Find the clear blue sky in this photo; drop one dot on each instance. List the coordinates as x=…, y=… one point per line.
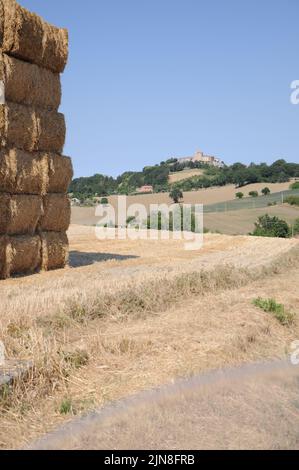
x=151, y=79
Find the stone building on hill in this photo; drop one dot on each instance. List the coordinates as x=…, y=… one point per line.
x=202, y=158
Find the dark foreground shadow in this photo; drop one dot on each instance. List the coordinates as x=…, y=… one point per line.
x=78, y=258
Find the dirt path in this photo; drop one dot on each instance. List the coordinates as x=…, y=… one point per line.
x=250, y=407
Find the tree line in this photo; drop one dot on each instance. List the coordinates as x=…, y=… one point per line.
x=158, y=176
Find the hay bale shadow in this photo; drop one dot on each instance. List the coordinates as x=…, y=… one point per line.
x=78, y=258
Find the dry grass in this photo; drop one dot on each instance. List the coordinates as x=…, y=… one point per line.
x=97, y=333
x=231, y=410
x=203, y=196
x=153, y=296
x=183, y=175
x=112, y=265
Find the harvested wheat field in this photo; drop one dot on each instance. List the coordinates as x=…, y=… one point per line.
x=223, y=410
x=97, y=330
x=183, y=175
x=235, y=222
x=203, y=196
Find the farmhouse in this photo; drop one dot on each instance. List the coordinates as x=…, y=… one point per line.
x=147, y=189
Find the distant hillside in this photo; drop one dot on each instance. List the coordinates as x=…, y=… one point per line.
x=185, y=174
x=165, y=175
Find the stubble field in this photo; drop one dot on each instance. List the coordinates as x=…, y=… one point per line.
x=228, y=222
x=127, y=316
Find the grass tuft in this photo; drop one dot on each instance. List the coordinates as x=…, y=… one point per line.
x=66, y=407
x=285, y=317
x=76, y=359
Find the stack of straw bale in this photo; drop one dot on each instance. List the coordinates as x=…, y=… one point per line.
x=34, y=175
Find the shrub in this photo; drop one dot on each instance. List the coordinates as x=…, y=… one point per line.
x=253, y=194
x=104, y=201
x=292, y=200
x=239, y=195
x=295, y=185
x=267, y=226
x=88, y=203
x=285, y=317
x=266, y=191
x=176, y=195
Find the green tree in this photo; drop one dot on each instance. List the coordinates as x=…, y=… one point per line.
x=176, y=195
x=158, y=175
x=266, y=191
x=104, y=201
x=239, y=195
x=267, y=226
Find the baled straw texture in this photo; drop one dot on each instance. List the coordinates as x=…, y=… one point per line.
x=29, y=84
x=28, y=129
x=37, y=173
x=23, y=172
x=60, y=173
x=19, y=214
x=24, y=254
x=55, y=250
x=56, y=213
x=26, y=36
x=4, y=272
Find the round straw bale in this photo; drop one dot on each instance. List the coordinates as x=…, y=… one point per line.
x=60, y=173
x=56, y=213
x=23, y=172
x=29, y=129
x=55, y=250
x=25, y=254
x=1, y=22
x=27, y=36
x=19, y=214
x=29, y=84
x=4, y=213
x=51, y=131
x=18, y=126
x=4, y=249
x=8, y=171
